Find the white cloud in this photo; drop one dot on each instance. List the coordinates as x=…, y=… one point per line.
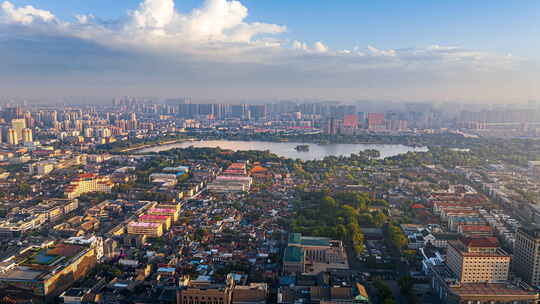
x=218, y=33
x=375, y=51
x=156, y=25
x=153, y=16
x=84, y=19
x=297, y=45
x=320, y=47
x=215, y=21
x=24, y=15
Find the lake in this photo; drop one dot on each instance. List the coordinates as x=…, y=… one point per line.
x=286, y=149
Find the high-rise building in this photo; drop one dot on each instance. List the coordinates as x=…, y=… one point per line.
x=105, y=132
x=240, y=111
x=88, y=132
x=206, y=110
x=332, y=126
x=221, y=110
x=396, y=125
x=27, y=135
x=10, y=113
x=478, y=260
x=188, y=110
x=375, y=121
x=12, y=137
x=526, y=259
x=78, y=124
x=18, y=125
x=53, y=117
x=350, y=121
x=258, y=112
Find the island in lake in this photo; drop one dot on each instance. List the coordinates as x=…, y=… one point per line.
x=302, y=148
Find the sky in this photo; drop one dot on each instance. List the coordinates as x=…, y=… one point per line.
x=410, y=50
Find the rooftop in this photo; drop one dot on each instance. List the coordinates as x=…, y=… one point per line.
x=491, y=289
x=532, y=232
x=144, y=224
x=295, y=238
x=299, y=239
x=475, y=228
x=153, y=217
x=293, y=254
x=75, y=292
x=21, y=273
x=315, y=241
x=483, y=242
x=169, y=210
x=36, y=262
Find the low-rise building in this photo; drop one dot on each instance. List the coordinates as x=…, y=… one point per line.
x=165, y=220
x=42, y=168
x=230, y=183
x=203, y=290
x=254, y=293
x=46, y=271
x=174, y=213
x=313, y=251
x=89, y=182
x=147, y=229
x=17, y=225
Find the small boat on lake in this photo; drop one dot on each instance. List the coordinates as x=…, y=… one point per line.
x=302, y=148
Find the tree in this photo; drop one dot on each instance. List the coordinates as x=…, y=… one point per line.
x=405, y=284
x=23, y=188
x=378, y=218
x=384, y=290
x=398, y=238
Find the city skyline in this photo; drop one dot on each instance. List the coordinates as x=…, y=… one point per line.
x=239, y=50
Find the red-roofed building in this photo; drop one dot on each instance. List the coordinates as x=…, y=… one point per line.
x=260, y=172
x=475, y=230
x=88, y=182
x=174, y=213
x=166, y=220
x=480, y=244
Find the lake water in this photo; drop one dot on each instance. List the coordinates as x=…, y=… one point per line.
x=286, y=149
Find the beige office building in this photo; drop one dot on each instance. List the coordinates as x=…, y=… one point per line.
x=88, y=182
x=148, y=229
x=478, y=260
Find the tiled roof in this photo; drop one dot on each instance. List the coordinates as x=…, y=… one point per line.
x=483, y=242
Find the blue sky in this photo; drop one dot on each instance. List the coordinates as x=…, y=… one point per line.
x=483, y=32
x=506, y=26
